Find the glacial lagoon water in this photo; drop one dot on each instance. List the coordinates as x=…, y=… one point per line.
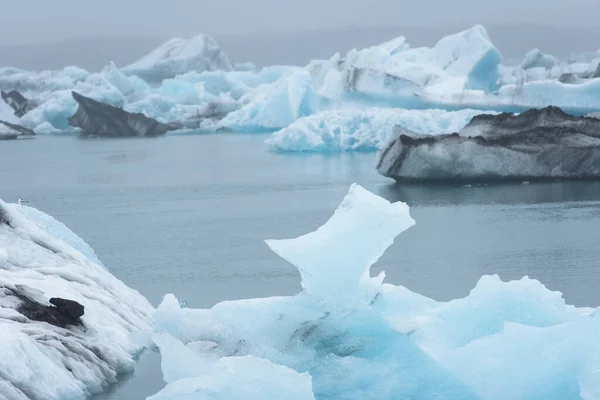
x=187, y=214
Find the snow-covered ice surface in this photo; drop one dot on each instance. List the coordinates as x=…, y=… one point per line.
x=179, y=56
x=348, y=335
x=194, y=82
x=363, y=130
x=60, y=231
x=39, y=259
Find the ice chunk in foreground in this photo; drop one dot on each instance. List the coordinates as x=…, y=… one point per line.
x=331, y=330
x=364, y=222
x=236, y=378
x=505, y=340
x=45, y=353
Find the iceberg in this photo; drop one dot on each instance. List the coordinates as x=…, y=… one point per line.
x=247, y=377
x=99, y=119
x=348, y=335
x=289, y=100
x=330, y=331
x=68, y=327
x=363, y=130
x=178, y=56
x=206, y=94
x=537, y=144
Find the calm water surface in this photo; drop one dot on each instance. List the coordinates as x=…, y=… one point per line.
x=188, y=215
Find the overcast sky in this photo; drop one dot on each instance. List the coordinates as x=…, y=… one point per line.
x=43, y=21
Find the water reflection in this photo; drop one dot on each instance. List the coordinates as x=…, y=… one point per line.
x=507, y=193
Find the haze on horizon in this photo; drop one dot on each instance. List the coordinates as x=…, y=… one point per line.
x=46, y=34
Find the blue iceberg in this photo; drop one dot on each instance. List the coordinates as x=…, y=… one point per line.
x=348, y=335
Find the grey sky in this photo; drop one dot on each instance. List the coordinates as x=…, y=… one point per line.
x=43, y=21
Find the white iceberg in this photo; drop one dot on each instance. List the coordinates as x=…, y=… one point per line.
x=41, y=259
x=178, y=56
x=349, y=336
x=363, y=130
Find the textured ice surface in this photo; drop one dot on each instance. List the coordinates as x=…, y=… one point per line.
x=349, y=336
x=363, y=130
x=283, y=103
x=234, y=378
x=537, y=144
x=40, y=259
x=60, y=231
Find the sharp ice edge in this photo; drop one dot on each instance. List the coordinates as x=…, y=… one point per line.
x=42, y=258
x=358, y=338
x=194, y=82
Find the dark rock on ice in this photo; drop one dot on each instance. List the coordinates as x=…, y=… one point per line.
x=67, y=307
x=535, y=145
x=18, y=102
x=63, y=313
x=100, y=119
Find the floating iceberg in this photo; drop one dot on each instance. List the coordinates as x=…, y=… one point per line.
x=48, y=352
x=99, y=119
x=178, y=56
x=358, y=338
x=537, y=144
x=286, y=100
x=363, y=130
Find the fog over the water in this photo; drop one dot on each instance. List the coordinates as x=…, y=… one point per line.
x=40, y=34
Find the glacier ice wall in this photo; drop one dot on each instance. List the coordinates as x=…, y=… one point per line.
x=40, y=259
x=348, y=335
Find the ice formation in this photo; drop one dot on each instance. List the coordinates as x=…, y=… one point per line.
x=99, y=119
x=537, y=144
x=194, y=83
x=41, y=259
x=178, y=56
x=358, y=338
x=363, y=130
